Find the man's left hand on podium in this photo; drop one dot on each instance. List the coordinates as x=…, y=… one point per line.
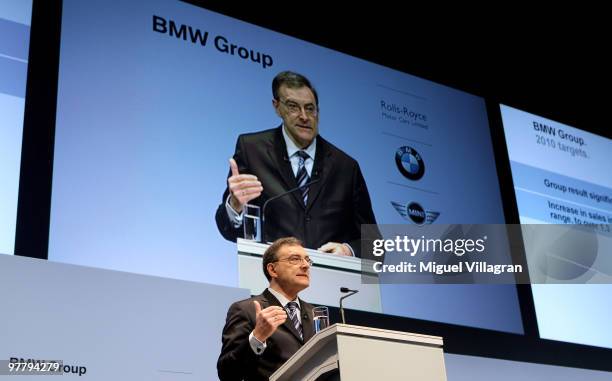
x=337, y=248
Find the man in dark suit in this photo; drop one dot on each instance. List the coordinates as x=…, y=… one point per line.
x=328, y=213
x=262, y=332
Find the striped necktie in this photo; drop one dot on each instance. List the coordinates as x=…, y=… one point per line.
x=293, y=311
x=302, y=175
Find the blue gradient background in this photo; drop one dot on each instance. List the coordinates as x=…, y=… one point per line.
x=574, y=313
x=15, y=19
x=146, y=123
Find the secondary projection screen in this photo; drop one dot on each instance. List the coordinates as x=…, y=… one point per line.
x=15, y=19
x=151, y=99
x=562, y=175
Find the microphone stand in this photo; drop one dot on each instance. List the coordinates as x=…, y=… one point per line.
x=350, y=293
x=263, y=209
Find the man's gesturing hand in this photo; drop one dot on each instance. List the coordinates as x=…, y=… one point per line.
x=267, y=320
x=243, y=188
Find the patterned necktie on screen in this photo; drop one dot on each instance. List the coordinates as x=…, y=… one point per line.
x=302, y=174
x=293, y=311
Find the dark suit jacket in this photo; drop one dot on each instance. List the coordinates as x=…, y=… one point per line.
x=238, y=361
x=337, y=204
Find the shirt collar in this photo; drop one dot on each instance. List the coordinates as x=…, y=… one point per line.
x=282, y=299
x=311, y=150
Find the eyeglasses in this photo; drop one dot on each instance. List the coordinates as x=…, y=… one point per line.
x=295, y=108
x=296, y=260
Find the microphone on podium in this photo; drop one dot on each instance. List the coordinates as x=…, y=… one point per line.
x=263, y=209
x=344, y=290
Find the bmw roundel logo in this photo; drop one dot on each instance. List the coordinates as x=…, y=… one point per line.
x=409, y=163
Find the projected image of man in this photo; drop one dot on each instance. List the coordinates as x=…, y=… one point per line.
x=326, y=214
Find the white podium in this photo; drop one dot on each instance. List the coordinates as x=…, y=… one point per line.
x=328, y=273
x=352, y=353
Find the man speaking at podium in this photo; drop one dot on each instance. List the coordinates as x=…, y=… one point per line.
x=327, y=212
x=262, y=332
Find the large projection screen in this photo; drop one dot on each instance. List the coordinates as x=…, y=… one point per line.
x=562, y=175
x=151, y=99
x=15, y=20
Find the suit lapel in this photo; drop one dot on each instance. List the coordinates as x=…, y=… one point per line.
x=307, y=326
x=288, y=324
x=323, y=167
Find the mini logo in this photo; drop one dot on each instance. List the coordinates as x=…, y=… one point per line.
x=414, y=212
x=409, y=163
